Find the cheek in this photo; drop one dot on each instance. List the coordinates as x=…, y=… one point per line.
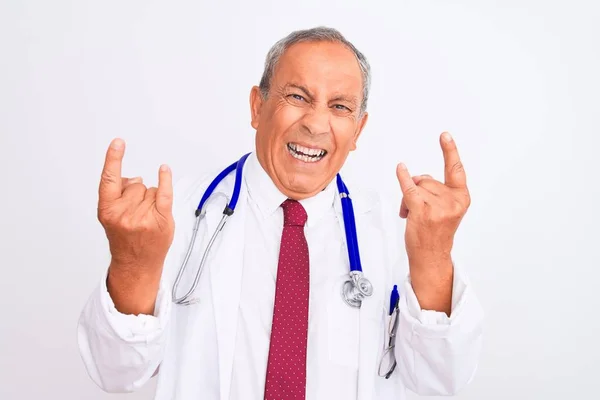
x=283, y=119
x=344, y=132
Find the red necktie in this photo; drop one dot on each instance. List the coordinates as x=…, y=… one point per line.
x=286, y=369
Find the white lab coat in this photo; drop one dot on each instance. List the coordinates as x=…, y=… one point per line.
x=191, y=349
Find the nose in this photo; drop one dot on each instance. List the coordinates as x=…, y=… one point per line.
x=317, y=121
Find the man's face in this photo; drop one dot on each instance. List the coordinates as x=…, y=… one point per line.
x=311, y=119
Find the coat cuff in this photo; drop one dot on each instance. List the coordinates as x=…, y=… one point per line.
x=431, y=317
x=131, y=327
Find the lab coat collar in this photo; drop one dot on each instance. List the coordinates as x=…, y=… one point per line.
x=265, y=194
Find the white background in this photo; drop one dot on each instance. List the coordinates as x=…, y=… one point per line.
x=516, y=82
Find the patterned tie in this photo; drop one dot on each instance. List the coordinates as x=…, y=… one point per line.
x=286, y=369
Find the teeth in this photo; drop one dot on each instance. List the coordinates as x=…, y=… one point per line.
x=304, y=153
x=306, y=150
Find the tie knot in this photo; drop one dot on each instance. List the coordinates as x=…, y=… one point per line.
x=293, y=213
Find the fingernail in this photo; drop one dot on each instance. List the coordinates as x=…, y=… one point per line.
x=136, y=179
x=402, y=166
x=117, y=144
x=164, y=168
x=446, y=136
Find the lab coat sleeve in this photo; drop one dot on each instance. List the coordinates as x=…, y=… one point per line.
x=437, y=354
x=121, y=352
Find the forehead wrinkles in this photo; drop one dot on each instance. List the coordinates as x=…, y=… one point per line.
x=323, y=68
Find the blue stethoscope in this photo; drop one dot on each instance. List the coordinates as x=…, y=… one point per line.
x=353, y=290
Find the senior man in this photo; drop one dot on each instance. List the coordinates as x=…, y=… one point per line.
x=267, y=317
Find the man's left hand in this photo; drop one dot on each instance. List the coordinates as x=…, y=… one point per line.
x=433, y=211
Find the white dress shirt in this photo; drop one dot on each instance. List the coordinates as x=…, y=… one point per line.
x=328, y=264
x=333, y=329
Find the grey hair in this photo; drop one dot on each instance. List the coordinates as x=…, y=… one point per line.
x=314, y=34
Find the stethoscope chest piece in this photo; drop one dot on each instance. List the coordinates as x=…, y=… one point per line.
x=356, y=289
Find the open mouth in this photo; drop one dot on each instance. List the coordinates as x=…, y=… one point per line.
x=305, y=154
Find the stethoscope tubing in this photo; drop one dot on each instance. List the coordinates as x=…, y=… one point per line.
x=349, y=225
x=349, y=228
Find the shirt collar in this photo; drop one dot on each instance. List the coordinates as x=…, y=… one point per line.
x=268, y=198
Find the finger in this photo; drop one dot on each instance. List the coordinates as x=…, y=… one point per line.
x=110, y=180
x=134, y=194
x=130, y=181
x=164, y=194
x=150, y=195
x=432, y=186
x=454, y=173
x=409, y=189
x=416, y=179
x=403, y=210
x=148, y=202
x=419, y=178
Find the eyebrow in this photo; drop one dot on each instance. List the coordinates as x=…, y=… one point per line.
x=350, y=99
x=300, y=87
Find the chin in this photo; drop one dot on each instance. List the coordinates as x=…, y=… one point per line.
x=304, y=182
x=302, y=171
x=306, y=187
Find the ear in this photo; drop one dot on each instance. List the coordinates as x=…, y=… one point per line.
x=256, y=102
x=361, y=125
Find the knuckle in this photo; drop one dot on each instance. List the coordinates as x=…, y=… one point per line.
x=152, y=192
x=106, y=215
x=411, y=190
x=457, y=209
x=143, y=226
x=135, y=189
x=139, y=186
x=147, y=225
x=467, y=200
x=108, y=177
x=438, y=216
x=130, y=224
x=424, y=183
x=457, y=167
x=102, y=217
x=163, y=197
x=449, y=213
x=127, y=224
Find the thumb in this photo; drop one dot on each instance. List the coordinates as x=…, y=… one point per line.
x=410, y=190
x=403, y=208
x=164, y=194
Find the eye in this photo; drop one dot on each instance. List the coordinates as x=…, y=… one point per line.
x=342, y=107
x=297, y=97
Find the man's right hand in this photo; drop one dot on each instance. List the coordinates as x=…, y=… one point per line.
x=139, y=225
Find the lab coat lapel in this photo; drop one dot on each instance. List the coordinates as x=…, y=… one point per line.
x=226, y=267
x=371, y=311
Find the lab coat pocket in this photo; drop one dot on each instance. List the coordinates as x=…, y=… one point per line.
x=384, y=350
x=343, y=328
